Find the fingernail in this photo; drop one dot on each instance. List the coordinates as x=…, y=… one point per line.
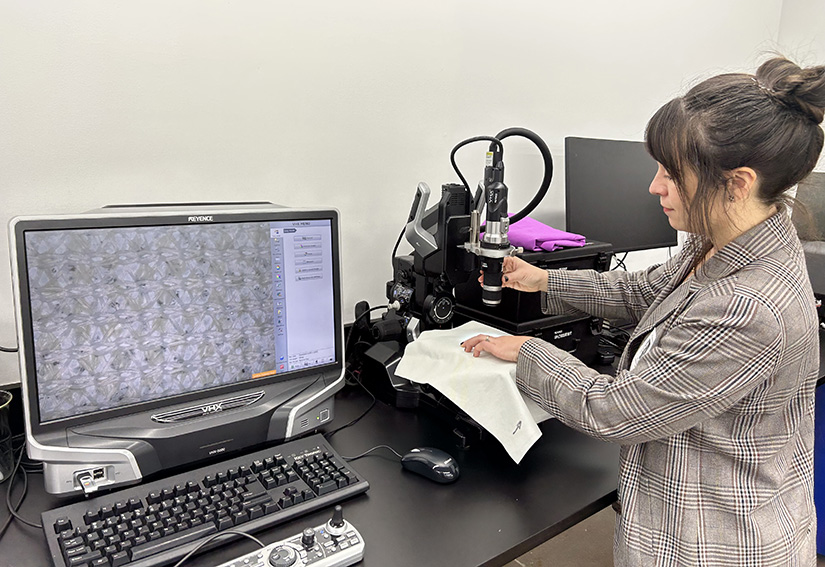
x=506, y=279
x=461, y=344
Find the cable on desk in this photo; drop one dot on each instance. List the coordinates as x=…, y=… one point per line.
x=215, y=536
x=8, y=349
x=25, y=466
x=355, y=378
x=367, y=344
x=14, y=508
x=368, y=451
x=614, y=337
x=8, y=521
x=329, y=434
x=361, y=316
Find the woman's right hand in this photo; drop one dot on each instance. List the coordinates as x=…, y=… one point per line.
x=519, y=275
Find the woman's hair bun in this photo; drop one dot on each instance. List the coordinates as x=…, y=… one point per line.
x=798, y=88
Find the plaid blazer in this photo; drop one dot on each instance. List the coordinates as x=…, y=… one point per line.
x=712, y=402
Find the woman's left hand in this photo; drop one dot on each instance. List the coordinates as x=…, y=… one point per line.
x=505, y=348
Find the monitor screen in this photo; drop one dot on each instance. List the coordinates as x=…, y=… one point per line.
x=121, y=311
x=810, y=219
x=810, y=224
x=606, y=195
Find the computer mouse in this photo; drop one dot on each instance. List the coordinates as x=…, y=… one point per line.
x=431, y=463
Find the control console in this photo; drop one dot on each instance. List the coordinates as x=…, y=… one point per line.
x=334, y=544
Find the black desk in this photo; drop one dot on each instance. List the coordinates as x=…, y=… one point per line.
x=494, y=513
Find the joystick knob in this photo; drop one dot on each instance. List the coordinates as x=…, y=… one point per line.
x=283, y=556
x=336, y=525
x=308, y=538
x=337, y=520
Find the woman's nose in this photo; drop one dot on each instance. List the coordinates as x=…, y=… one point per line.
x=657, y=186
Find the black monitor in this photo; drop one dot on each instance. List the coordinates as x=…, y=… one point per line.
x=606, y=195
x=810, y=224
x=810, y=218
x=156, y=337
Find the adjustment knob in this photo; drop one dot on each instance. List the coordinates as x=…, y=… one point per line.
x=283, y=556
x=308, y=538
x=439, y=308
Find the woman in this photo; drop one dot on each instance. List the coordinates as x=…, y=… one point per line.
x=713, y=399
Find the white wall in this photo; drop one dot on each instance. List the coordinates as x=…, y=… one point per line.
x=802, y=36
x=802, y=30
x=348, y=104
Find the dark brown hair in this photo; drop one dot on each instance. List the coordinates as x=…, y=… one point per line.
x=768, y=122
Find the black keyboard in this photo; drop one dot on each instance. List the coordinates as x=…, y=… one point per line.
x=158, y=522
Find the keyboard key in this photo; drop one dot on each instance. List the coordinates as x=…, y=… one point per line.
x=240, y=517
x=119, y=558
x=62, y=524
x=224, y=523
x=326, y=487
x=84, y=559
x=180, y=538
x=70, y=552
x=72, y=542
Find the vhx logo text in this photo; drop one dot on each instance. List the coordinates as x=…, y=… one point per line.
x=202, y=218
x=212, y=408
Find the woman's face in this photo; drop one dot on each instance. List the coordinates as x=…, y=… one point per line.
x=669, y=197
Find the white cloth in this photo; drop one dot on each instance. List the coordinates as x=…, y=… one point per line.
x=483, y=386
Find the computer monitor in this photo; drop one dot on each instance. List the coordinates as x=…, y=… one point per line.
x=606, y=195
x=810, y=219
x=153, y=337
x=810, y=224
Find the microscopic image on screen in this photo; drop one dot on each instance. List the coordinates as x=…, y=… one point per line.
x=127, y=315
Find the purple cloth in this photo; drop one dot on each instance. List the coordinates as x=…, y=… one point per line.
x=535, y=236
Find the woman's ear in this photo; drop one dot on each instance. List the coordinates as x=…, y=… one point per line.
x=741, y=183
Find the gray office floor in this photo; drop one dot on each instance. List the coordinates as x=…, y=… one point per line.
x=587, y=544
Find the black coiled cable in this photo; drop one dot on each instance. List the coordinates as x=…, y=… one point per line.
x=548, y=168
x=496, y=141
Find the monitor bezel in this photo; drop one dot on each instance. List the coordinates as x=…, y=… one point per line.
x=119, y=218
x=617, y=248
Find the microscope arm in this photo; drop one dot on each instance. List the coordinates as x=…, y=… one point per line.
x=422, y=241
